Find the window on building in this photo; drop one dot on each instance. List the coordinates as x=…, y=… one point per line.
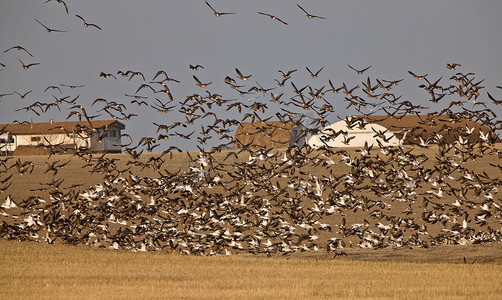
x=36, y=139
x=113, y=133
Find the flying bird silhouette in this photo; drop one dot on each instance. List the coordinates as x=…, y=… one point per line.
x=314, y=75
x=18, y=48
x=495, y=101
x=309, y=15
x=216, y=13
x=106, y=75
x=62, y=2
x=72, y=86
x=272, y=17
x=88, y=24
x=452, y=66
x=23, y=95
x=359, y=71
x=241, y=77
x=196, y=67
x=49, y=29
x=199, y=83
x=417, y=76
x=26, y=67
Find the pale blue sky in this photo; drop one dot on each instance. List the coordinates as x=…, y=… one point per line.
x=147, y=36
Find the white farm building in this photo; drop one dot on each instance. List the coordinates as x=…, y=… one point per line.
x=354, y=132
x=42, y=138
x=401, y=130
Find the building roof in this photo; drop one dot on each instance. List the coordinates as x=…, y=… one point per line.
x=269, y=134
x=408, y=130
x=426, y=126
x=398, y=123
x=55, y=127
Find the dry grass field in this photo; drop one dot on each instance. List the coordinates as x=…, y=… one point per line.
x=422, y=262
x=40, y=271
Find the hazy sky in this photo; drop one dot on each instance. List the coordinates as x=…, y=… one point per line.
x=147, y=36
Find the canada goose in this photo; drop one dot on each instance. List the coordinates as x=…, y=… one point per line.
x=72, y=86
x=359, y=71
x=137, y=97
x=62, y=2
x=88, y=24
x=19, y=48
x=495, y=101
x=6, y=94
x=49, y=29
x=217, y=13
x=241, y=77
x=287, y=74
x=26, y=67
x=32, y=108
x=417, y=76
x=452, y=66
x=281, y=83
x=314, y=75
x=107, y=75
x=309, y=15
x=23, y=95
x=199, y=83
x=137, y=74
x=273, y=17
x=144, y=85
x=195, y=67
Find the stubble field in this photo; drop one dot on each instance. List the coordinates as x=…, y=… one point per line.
x=34, y=270
x=443, y=270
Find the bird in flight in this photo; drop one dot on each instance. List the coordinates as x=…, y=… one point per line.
x=417, y=76
x=106, y=75
x=26, y=67
x=495, y=101
x=62, y=2
x=216, y=13
x=287, y=74
x=241, y=77
x=314, y=75
x=49, y=29
x=18, y=48
x=1, y=95
x=72, y=86
x=359, y=71
x=53, y=87
x=88, y=24
x=452, y=66
x=199, y=83
x=309, y=15
x=273, y=17
x=196, y=67
x=23, y=95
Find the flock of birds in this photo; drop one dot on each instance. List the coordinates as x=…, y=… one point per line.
x=243, y=198
x=272, y=17
x=234, y=197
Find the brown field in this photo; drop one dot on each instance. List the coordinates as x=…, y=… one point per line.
x=81, y=170
x=36, y=270
x=427, y=263
x=89, y=171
